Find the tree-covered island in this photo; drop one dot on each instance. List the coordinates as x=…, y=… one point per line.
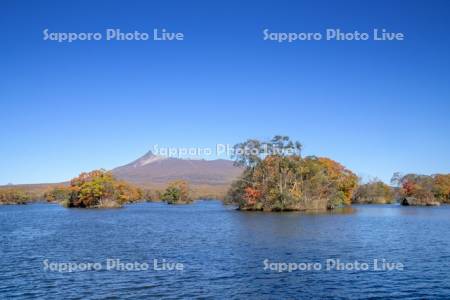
x=422, y=190
x=278, y=178
x=177, y=192
x=95, y=189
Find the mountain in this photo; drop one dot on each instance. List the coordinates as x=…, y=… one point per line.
x=153, y=170
x=207, y=178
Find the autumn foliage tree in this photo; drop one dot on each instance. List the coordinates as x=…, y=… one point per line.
x=423, y=189
x=251, y=195
x=98, y=188
x=276, y=177
x=441, y=187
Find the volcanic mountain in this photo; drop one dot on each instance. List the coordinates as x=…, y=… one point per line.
x=153, y=170
x=207, y=178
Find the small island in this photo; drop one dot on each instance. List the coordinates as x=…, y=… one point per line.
x=423, y=190
x=177, y=192
x=278, y=178
x=96, y=189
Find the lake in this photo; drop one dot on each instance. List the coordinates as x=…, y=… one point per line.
x=207, y=250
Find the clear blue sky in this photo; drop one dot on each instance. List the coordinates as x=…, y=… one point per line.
x=376, y=107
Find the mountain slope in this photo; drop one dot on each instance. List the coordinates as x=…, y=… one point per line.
x=153, y=170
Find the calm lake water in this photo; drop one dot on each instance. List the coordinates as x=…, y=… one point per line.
x=223, y=252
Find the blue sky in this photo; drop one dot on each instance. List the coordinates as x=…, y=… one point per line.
x=376, y=107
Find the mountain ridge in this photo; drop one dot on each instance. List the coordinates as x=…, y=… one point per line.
x=151, y=169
